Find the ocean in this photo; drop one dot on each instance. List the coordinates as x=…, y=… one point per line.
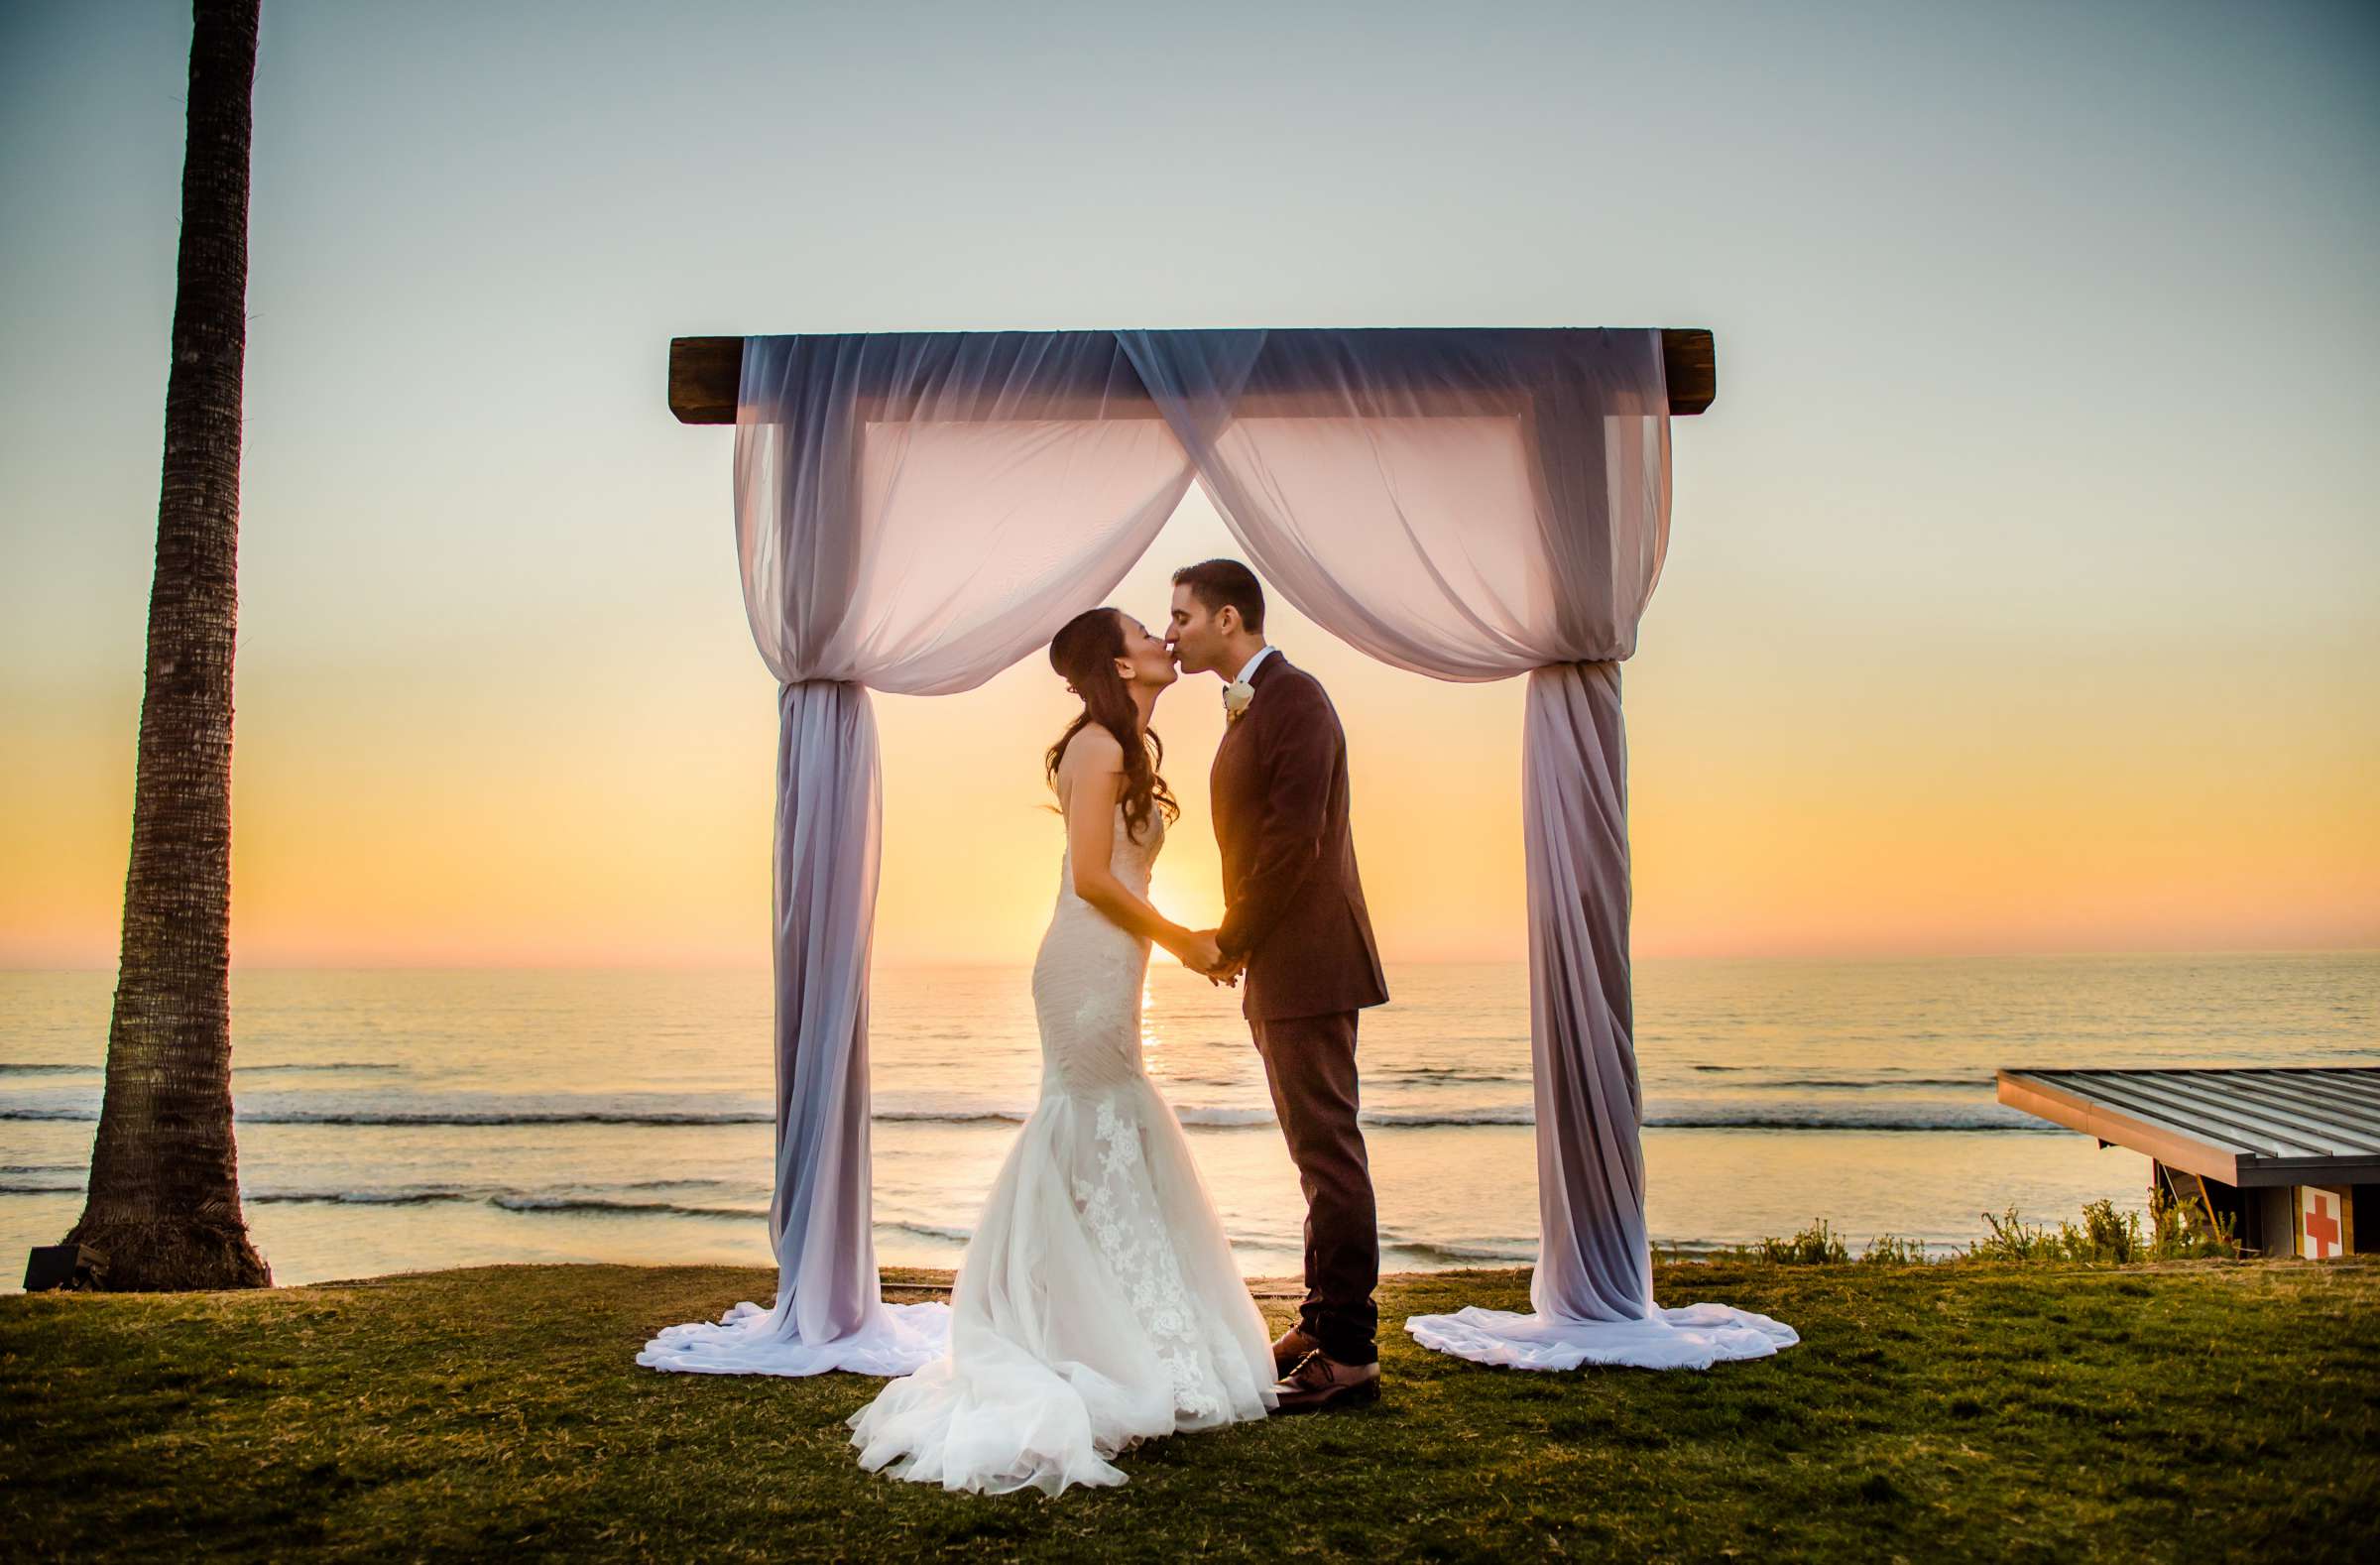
x=405, y=1120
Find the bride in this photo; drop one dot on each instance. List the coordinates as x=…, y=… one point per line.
x=1097, y=1303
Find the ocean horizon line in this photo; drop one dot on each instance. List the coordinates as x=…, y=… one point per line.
x=1520, y=959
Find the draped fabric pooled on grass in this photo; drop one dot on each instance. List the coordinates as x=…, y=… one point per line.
x=1475, y=504
x=913, y=514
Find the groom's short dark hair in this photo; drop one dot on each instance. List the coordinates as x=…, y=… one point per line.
x=1215, y=582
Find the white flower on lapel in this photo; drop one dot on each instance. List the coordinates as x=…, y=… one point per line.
x=1235, y=697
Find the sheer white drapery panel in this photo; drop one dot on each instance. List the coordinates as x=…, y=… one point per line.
x=1469, y=505
x=1473, y=505
x=828, y=1314
x=913, y=514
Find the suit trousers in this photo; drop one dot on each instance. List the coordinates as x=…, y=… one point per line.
x=1310, y=1066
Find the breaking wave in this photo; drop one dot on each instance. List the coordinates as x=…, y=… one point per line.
x=932, y=1230
x=587, y=1203
x=1428, y=1252
x=504, y=1200
x=335, y=1065
x=399, y=1197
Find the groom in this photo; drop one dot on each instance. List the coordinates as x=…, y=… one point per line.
x=1294, y=922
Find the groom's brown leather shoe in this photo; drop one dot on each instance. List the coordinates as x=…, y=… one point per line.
x=1289, y=1347
x=1321, y=1382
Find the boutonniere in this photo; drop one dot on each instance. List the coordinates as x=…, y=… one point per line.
x=1235, y=697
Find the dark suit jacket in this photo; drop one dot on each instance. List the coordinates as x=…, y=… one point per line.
x=1293, y=904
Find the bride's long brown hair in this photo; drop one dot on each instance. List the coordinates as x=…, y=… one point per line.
x=1084, y=653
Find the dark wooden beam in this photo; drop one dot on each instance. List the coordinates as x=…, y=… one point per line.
x=704, y=373
x=1690, y=364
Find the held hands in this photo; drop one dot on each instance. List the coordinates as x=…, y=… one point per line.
x=1202, y=954
x=1217, y=966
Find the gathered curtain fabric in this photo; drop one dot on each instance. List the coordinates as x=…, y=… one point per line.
x=913, y=514
x=1475, y=504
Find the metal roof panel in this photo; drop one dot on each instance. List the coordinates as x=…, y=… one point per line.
x=2258, y=1125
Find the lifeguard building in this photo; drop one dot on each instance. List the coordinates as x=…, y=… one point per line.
x=2286, y=1155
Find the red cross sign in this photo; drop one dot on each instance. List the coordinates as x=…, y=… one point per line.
x=2321, y=1224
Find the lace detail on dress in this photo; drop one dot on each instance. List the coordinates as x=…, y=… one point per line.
x=1132, y=1235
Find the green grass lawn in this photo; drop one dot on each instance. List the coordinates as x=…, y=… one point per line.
x=2165, y=1413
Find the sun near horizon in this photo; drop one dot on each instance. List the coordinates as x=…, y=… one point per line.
x=418, y=833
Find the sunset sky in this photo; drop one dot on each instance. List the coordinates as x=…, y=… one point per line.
x=2024, y=588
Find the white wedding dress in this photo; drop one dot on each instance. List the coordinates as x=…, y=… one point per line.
x=1097, y=1303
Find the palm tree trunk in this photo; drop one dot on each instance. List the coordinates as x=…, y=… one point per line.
x=163, y=1200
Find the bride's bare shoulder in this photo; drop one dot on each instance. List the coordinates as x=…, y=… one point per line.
x=1091, y=753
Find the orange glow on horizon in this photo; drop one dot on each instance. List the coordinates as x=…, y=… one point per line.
x=628, y=827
